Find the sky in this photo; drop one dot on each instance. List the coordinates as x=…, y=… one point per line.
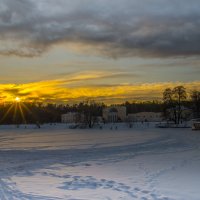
x=65, y=51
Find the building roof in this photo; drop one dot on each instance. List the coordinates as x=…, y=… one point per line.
x=113, y=109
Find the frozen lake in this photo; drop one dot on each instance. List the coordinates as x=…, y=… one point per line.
x=54, y=163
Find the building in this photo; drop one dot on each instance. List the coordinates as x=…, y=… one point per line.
x=196, y=124
x=145, y=117
x=114, y=114
x=71, y=117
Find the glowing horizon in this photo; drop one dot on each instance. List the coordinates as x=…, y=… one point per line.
x=61, y=91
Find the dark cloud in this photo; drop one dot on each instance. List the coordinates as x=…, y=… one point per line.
x=15, y=92
x=115, y=28
x=12, y=91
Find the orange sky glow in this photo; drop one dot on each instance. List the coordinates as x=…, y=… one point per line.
x=61, y=91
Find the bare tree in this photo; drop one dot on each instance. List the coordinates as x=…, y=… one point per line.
x=168, y=96
x=90, y=110
x=169, y=104
x=173, y=99
x=180, y=95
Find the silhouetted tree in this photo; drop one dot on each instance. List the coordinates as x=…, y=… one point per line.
x=173, y=100
x=169, y=104
x=147, y=106
x=180, y=95
x=91, y=110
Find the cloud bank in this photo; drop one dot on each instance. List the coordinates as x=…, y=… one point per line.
x=115, y=28
x=79, y=88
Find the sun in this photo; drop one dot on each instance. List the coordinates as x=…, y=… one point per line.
x=17, y=99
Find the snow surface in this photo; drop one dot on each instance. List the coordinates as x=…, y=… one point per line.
x=54, y=163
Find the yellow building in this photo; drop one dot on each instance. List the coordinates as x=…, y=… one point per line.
x=71, y=117
x=145, y=116
x=114, y=114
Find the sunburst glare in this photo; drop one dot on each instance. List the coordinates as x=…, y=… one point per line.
x=17, y=99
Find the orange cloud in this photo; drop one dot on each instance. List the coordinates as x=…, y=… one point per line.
x=60, y=91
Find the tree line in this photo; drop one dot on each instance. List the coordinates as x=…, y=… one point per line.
x=174, y=99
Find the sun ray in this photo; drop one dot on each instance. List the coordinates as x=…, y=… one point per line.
x=22, y=113
x=15, y=112
x=7, y=112
x=25, y=107
x=29, y=111
x=17, y=99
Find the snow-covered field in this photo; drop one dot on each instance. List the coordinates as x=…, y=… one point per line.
x=55, y=163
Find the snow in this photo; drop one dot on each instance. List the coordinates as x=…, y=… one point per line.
x=54, y=163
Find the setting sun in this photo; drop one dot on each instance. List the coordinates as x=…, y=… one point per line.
x=17, y=99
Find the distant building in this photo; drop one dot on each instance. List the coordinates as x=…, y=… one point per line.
x=196, y=124
x=72, y=117
x=145, y=117
x=114, y=114
x=99, y=119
